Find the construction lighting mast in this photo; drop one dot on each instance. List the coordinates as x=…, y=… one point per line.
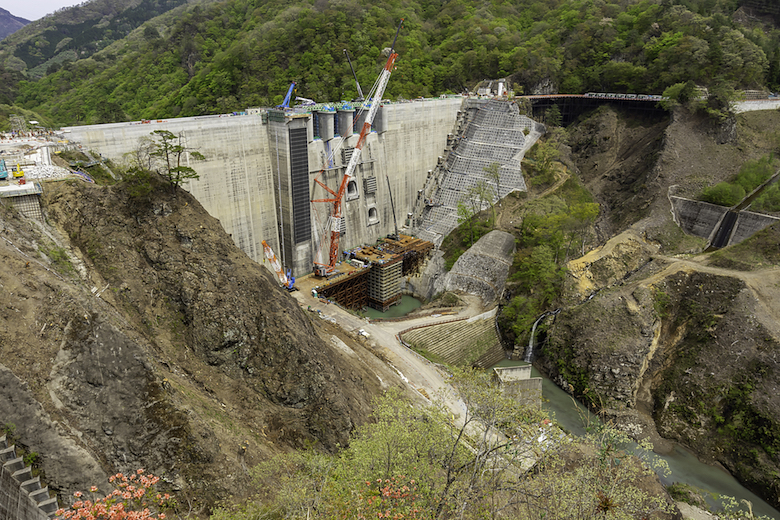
x=334, y=220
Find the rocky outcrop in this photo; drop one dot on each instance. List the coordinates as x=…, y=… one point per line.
x=691, y=347
x=607, y=265
x=482, y=270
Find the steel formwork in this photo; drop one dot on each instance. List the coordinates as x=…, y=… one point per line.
x=349, y=291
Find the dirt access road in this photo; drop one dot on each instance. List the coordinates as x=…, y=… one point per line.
x=421, y=376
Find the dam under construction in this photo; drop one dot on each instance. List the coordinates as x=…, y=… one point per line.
x=265, y=170
x=418, y=162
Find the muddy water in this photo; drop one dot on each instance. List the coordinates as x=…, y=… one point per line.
x=686, y=468
x=407, y=305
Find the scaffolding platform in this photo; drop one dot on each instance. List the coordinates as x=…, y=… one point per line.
x=413, y=250
x=348, y=288
x=371, y=275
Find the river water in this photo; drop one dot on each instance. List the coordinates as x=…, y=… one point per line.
x=685, y=467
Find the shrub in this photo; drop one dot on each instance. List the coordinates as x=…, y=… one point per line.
x=133, y=498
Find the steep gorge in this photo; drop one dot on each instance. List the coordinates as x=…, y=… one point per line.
x=140, y=336
x=668, y=341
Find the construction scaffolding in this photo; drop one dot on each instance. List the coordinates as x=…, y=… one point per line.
x=371, y=275
x=413, y=250
x=350, y=290
x=384, y=284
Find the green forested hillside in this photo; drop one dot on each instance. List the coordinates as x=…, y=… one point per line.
x=77, y=33
x=225, y=56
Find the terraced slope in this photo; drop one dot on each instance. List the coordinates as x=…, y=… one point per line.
x=465, y=342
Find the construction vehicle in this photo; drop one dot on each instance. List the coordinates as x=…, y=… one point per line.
x=287, y=280
x=334, y=219
x=290, y=282
x=18, y=172
x=3, y=170
x=306, y=102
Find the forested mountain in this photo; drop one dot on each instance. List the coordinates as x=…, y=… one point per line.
x=77, y=33
x=10, y=23
x=212, y=57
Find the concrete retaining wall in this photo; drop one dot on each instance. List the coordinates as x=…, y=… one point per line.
x=757, y=104
x=517, y=383
x=748, y=224
x=696, y=218
x=482, y=270
x=700, y=219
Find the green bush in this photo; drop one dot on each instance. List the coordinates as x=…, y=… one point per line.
x=724, y=194
x=751, y=175
x=139, y=183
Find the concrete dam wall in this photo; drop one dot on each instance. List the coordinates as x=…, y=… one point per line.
x=259, y=173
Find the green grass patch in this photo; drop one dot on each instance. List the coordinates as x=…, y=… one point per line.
x=60, y=260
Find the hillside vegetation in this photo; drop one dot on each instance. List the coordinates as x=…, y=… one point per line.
x=216, y=57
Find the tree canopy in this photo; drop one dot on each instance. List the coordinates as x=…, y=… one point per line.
x=228, y=55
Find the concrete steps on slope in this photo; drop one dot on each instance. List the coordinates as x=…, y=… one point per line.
x=471, y=342
x=18, y=483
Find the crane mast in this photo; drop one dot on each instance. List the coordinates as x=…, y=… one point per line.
x=334, y=220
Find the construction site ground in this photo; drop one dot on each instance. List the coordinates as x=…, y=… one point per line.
x=423, y=377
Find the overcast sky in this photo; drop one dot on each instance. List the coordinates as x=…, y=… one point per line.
x=34, y=9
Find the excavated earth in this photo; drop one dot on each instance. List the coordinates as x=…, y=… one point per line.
x=136, y=335
x=669, y=342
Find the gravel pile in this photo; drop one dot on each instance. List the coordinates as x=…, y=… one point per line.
x=45, y=172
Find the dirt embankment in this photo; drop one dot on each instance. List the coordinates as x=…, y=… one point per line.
x=674, y=346
x=145, y=338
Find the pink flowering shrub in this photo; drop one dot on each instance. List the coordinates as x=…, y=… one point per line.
x=393, y=498
x=133, y=498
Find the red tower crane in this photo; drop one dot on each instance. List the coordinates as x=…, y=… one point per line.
x=334, y=219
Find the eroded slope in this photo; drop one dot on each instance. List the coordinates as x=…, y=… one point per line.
x=159, y=344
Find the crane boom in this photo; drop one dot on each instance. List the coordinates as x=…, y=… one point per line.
x=359, y=90
x=269, y=254
x=335, y=217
